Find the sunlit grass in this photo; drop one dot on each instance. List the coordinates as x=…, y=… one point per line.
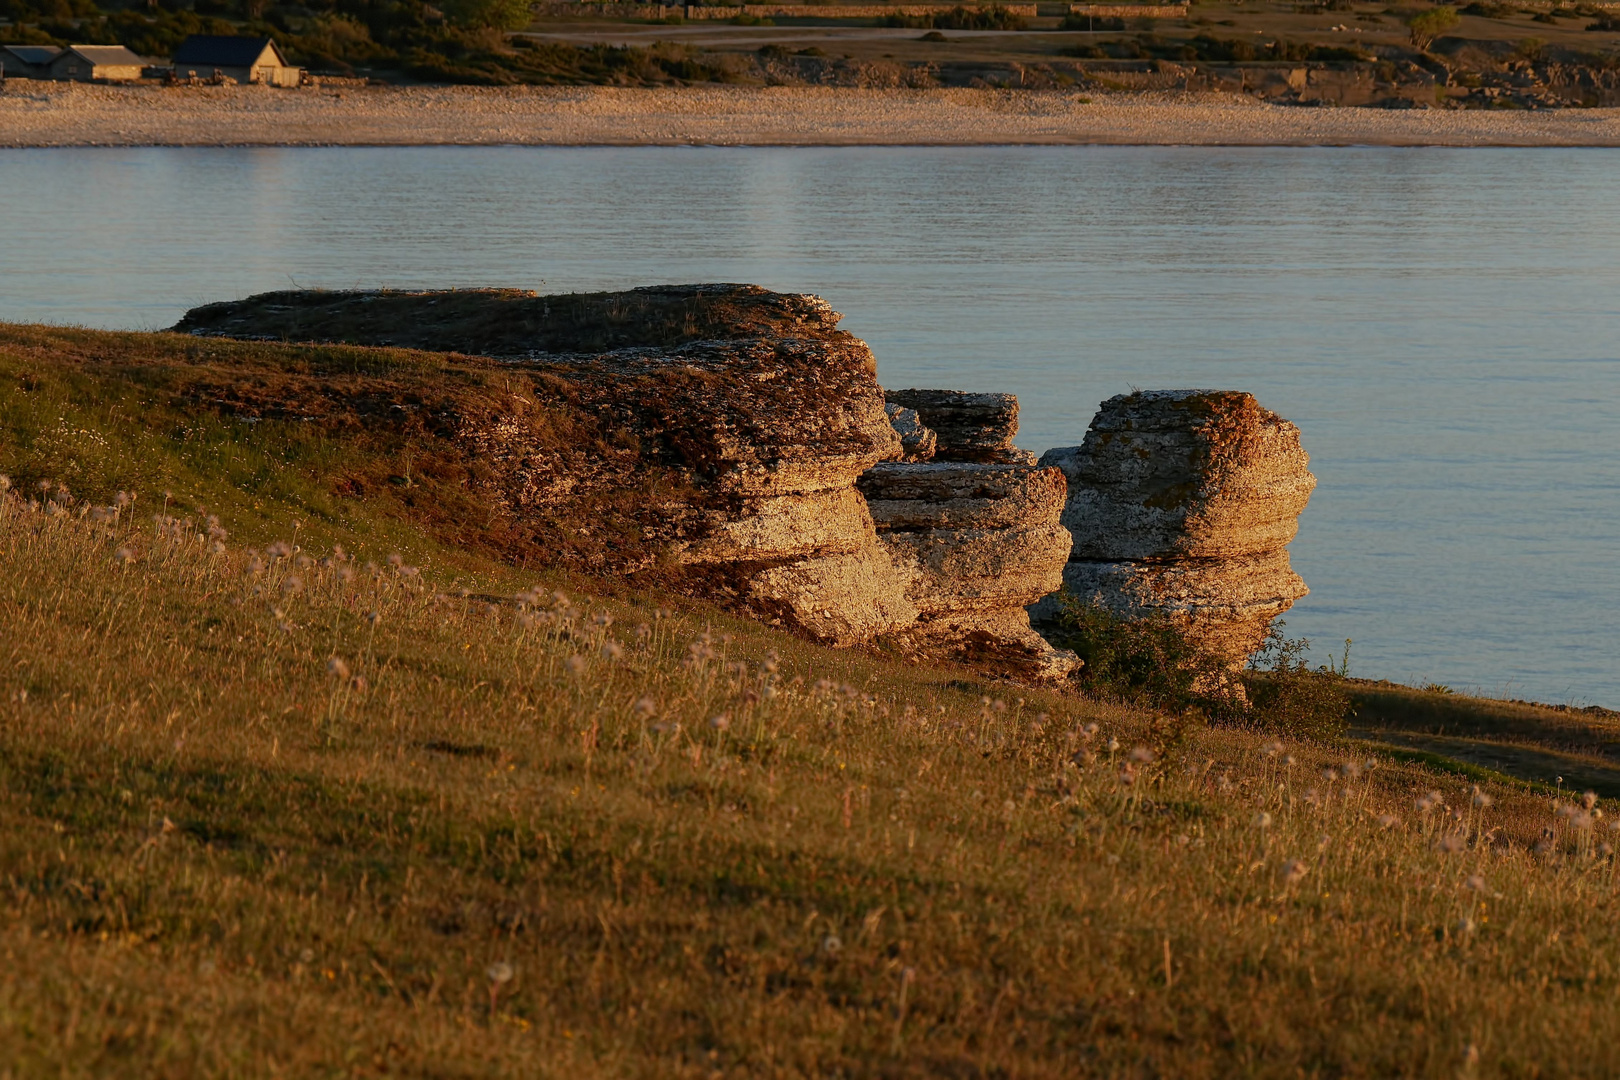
x=281, y=812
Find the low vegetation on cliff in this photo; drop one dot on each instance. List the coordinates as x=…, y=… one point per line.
x=293, y=781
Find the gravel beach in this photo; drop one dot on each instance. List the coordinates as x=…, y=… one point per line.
x=43, y=114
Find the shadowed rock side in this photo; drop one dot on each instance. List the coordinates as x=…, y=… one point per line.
x=1182, y=503
x=976, y=544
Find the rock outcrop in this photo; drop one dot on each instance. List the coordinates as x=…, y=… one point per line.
x=705, y=437
x=968, y=427
x=1181, y=503
x=976, y=545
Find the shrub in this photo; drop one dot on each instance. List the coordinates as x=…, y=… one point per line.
x=1425, y=26
x=994, y=17
x=1288, y=697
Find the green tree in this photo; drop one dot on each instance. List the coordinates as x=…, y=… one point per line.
x=1428, y=25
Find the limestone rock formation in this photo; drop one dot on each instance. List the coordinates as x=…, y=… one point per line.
x=706, y=437
x=969, y=427
x=917, y=442
x=1182, y=503
x=976, y=544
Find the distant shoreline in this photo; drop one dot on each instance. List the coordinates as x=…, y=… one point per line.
x=39, y=114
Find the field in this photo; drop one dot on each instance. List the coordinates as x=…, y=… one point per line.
x=292, y=785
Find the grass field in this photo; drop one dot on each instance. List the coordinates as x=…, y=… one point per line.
x=269, y=808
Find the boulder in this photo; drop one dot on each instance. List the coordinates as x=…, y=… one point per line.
x=1181, y=504
x=976, y=545
x=969, y=427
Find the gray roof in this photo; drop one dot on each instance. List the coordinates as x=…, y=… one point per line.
x=32, y=54
x=219, y=50
x=107, y=55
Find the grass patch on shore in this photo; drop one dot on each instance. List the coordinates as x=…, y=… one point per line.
x=266, y=809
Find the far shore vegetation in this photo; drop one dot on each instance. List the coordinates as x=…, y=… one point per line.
x=1479, y=55
x=291, y=786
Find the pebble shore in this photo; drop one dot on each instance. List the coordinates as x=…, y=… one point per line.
x=52, y=114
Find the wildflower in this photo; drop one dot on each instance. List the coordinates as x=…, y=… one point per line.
x=1127, y=774
x=285, y=627
x=1430, y=801
x=1262, y=820
x=1475, y=883
x=373, y=617
x=217, y=547
x=1271, y=749
x=396, y=560
x=1580, y=820
x=830, y=946
x=1089, y=731
x=1481, y=799
x=499, y=972
x=1351, y=770
x=304, y=562
x=771, y=663
x=643, y=631
x=1182, y=839
x=1289, y=760
x=998, y=706
x=612, y=650
x=1465, y=925
x=1293, y=871
x=359, y=683
x=646, y=707
x=602, y=619
x=408, y=571
x=345, y=574
x=1142, y=755
x=307, y=956
x=292, y=584
x=336, y=667
x=1589, y=800
x=5, y=483
x=1330, y=775
x=1113, y=745
x=1388, y=821
x=278, y=550
x=124, y=556
x=575, y=665
x=1452, y=844
x=721, y=722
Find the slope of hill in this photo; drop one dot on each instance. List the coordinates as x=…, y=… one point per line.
x=275, y=803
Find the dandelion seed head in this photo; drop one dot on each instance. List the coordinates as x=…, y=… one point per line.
x=499, y=972
x=1141, y=755
x=396, y=560
x=292, y=584
x=1262, y=820
x=1293, y=871
x=1475, y=883
x=720, y=722
x=1388, y=821
x=575, y=664
x=337, y=667
x=124, y=556
x=646, y=707
x=1113, y=745
x=612, y=650
x=1589, y=800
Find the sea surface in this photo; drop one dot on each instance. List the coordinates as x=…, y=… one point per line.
x=1444, y=325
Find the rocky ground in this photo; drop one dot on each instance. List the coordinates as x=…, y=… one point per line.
x=41, y=114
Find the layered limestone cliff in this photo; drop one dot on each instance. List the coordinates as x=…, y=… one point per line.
x=706, y=437
x=1181, y=503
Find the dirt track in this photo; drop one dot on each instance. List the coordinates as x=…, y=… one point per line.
x=48, y=114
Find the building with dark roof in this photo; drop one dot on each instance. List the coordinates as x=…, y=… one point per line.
x=27, y=61
x=82, y=63
x=247, y=60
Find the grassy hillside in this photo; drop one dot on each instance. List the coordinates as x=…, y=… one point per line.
x=269, y=808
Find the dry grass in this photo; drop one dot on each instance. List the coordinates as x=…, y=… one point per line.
x=225, y=854
x=221, y=855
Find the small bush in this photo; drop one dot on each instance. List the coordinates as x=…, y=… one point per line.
x=994, y=17
x=1288, y=697
x=1425, y=26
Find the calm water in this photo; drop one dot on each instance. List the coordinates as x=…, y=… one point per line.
x=1444, y=325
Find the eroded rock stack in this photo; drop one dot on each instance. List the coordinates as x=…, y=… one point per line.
x=1182, y=503
x=976, y=545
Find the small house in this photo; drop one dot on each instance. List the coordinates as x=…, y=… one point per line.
x=247, y=60
x=82, y=63
x=27, y=61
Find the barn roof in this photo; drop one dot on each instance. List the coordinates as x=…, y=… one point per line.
x=33, y=54
x=106, y=55
x=221, y=50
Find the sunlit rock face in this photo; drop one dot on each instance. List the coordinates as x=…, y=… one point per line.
x=976, y=544
x=1181, y=503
